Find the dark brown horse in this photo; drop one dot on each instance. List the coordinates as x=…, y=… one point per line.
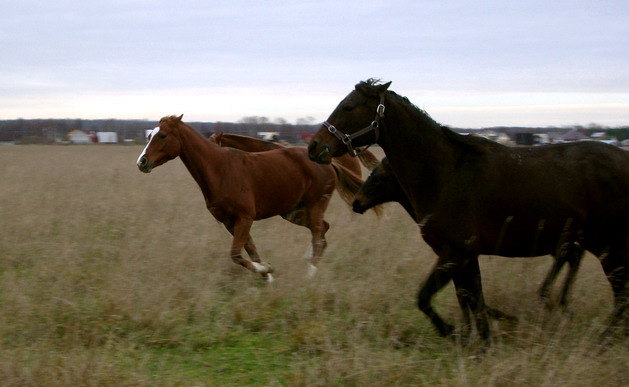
x=474, y=196
x=251, y=144
x=382, y=187
x=240, y=187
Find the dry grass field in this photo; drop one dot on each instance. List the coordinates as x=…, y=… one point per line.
x=109, y=276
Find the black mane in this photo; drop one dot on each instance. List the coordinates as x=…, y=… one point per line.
x=422, y=116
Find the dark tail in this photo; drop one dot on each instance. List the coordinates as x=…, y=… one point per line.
x=348, y=185
x=368, y=159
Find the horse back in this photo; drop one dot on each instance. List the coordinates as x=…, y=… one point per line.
x=529, y=201
x=279, y=180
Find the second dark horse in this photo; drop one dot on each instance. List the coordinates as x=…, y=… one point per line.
x=382, y=187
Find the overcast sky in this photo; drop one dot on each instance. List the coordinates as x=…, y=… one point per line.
x=467, y=63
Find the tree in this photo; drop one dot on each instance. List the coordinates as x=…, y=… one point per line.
x=305, y=120
x=253, y=120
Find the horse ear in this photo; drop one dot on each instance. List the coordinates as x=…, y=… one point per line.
x=179, y=118
x=384, y=87
x=370, y=88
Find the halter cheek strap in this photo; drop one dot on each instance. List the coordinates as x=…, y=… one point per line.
x=346, y=139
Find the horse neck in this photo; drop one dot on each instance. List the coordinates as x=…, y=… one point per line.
x=248, y=144
x=203, y=159
x=420, y=154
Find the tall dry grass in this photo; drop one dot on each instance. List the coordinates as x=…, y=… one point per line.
x=111, y=276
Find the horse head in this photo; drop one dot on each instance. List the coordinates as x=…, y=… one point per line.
x=163, y=144
x=217, y=138
x=351, y=124
x=381, y=187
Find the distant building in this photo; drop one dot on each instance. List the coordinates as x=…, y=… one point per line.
x=78, y=137
x=524, y=139
x=574, y=135
x=107, y=137
x=269, y=136
x=555, y=137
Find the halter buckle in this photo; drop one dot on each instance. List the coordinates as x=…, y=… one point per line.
x=380, y=110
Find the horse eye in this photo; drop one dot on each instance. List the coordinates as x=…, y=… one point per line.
x=348, y=107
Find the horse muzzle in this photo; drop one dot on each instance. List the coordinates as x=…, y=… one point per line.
x=319, y=154
x=358, y=207
x=144, y=165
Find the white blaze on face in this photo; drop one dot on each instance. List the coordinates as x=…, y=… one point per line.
x=152, y=136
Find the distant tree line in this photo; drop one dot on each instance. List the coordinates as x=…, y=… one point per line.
x=55, y=130
x=620, y=133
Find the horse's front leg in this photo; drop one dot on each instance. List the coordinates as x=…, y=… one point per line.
x=240, y=230
x=544, y=289
x=467, y=281
x=573, y=256
x=439, y=277
x=252, y=251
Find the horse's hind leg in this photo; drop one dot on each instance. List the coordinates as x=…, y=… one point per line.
x=616, y=267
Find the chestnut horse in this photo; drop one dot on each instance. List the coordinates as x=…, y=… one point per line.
x=251, y=144
x=382, y=187
x=474, y=196
x=240, y=187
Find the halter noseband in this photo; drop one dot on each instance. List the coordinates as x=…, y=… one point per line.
x=347, y=138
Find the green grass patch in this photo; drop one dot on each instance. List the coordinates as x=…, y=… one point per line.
x=243, y=359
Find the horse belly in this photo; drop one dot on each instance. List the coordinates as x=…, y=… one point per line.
x=515, y=238
x=279, y=198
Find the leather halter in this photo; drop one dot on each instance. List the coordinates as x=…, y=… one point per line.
x=347, y=138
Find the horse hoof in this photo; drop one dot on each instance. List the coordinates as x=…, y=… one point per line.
x=446, y=330
x=312, y=271
x=262, y=267
x=269, y=278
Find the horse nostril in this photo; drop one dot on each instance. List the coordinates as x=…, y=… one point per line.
x=357, y=208
x=324, y=156
x=143, y=161
x=311, y=150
